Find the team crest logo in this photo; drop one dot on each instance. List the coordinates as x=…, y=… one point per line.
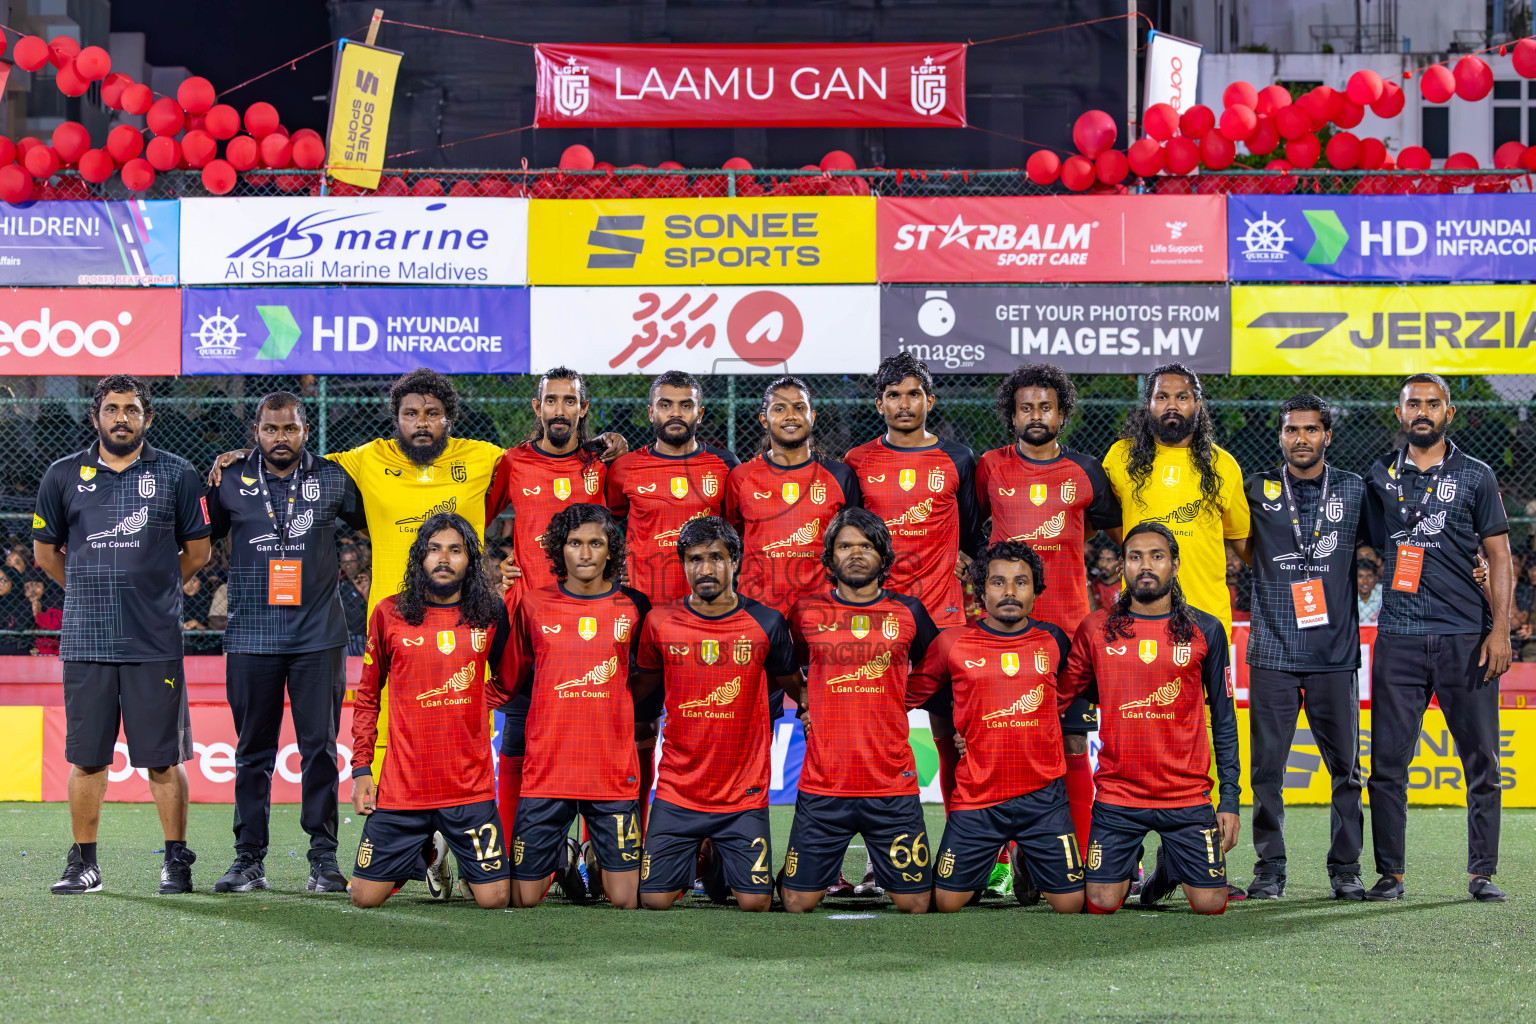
x=1335, y=510
x=477, y=639
x=1042, y=662
x=1170, y=476
x=147, y=485
x=1068, y=491
x=818, y=492
x=1095, y=856
x=859, y=626
x=573, y=87
x=446, y=641
x=930, y=87
x=1181, y=654
x=907, y=479
x=517, y=850
x=458, y=472
x=791, y=493
x=741, y=651
x=946, y=864
x=936, y=480
x=587, y=627
x=365, y=853
x=589, y=479
x=679, y=487
x=1445, y=492
x=311, y=489
x=562, y=487
x=88, y=473
x=1271, y=489
x=1037, y=494
x=1010, y=664
x=621, y=628
x=791, y=862
x=710, y=485
x=709, y=651
x=891, y=627
x=427, y=475
x=1147, y=650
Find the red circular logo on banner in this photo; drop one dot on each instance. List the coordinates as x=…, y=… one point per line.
x=765, y=328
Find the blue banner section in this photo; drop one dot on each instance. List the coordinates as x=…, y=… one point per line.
x=98, y=242
x=1382, y=238
x=354, y=330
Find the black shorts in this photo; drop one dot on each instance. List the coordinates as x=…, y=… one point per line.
x=542, y=825
x=1039, y=822
x=151, y=699
x=1081, y=717
x=1190, y=836
x=394, y=844
x=895, y=836
x=672, y=837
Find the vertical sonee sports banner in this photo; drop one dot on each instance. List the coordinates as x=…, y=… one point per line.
x=362, y=92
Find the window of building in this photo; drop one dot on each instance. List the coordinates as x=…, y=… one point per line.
x=1435, y=131
x=1514, y=112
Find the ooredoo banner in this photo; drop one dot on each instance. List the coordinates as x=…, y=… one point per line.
x=707, y=330
x=90, y=331
x=354, y=330
x=354, y=239
x=784, y=85
x=1052, y=239
x=94, y=242
x=1082, y=330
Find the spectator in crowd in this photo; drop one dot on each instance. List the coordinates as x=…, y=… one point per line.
x=1104, y=576
x=1239, y=588
x=196, y=603
x=15, y=617
x=1525, y=597
x=354, y=596
x=218, y=608
x=47, y=611
x=19, y=560
x=1368, y=589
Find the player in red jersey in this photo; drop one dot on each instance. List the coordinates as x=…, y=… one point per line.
x=923, y=486
x=781, y=500
x=1001, y=674
x=1156, y=663
x=560, y=464
x=573, y=649
x=430, y=644
x=857, y=641
x=720, y=655
x=1043, y=493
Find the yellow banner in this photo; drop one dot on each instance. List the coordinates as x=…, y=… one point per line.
x=1434, y=777
x=362, y=92
x=793, y=240
x=1316, y=331
x=21, y=753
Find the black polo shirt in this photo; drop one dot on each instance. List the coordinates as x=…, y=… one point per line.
x=1463, y=508
x=1275, y=642
x=322, y=493
x=122, y=534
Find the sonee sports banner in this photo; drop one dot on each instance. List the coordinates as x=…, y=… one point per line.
x=786, y=85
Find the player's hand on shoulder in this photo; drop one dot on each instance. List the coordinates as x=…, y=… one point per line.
x=511, y=572
x=959, y=740
x=223, y=462
x=616, y=445
x=363, y=795
x=1230, y=827
x=961, y=562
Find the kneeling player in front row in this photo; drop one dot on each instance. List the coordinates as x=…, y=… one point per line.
x=1008, y=784
x=716, y=651
x=573, y=648
x=430, y=645
x=1156, y=664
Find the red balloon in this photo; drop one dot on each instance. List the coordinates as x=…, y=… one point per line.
x=25, y=146
x=198, y=148
x=93, y=64
x=1373, y=153
x=576, y=158
x=308, y=153
x=1217, y=151
x=428, y=187
x=1506, y=157
x=1111, y=166
x=305, y=133
x=276, y=151
x=7, y=151
x=163, y=153
x=1315, y=104
x=138, y=175
x=737, y=163
x=1336, y=102
x=1271, y=99
x=242, y=152
x=124, y=143
x=1303, y=152
x=112, y=90
x=1528, y=159
x=1196, y=121
x=261, y=120
x=70, y=81
x=96, y=165
x=42, y=162
x=1343, y=151
x=1474, y=78
x=1043, y=167
x=1145, y=157
x=1238, y=122
x=62, y=50
x=1523, y=58
x=1391, y=102
x=1365, y=87
x=1093, y=133
x=1264, y=138
x=15, y=182
x=1293, y=122
x=1181, y=155
x=837, y=160
x=70, y=141
x=222, y=122
x=394, y=185
x=1078, y=173
x=1414, y=158
x=1240, y=94
x=673, y=165
x=137, y=98
x=1437, y=84
x=1353, y=114
x=165, y=117
x=195, y=95
x=1461, y=162
x=219, y=177
x=31, y=54
x=1160, y=121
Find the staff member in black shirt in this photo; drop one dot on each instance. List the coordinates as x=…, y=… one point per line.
x=286, y=626
x=121, y=526
x=1304, y=641
x=1429, y=506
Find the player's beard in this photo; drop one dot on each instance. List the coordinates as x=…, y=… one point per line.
x=707, y=588
x=1036, y=434
x=1147, y=591
x=117, y=448
x=1008, y=612
x=855, y=579
x=1304, y=460
x=281, y=460
x=1424, y=434
x=793, y=444
x=441, y=587
x=1172, y=428
x=675, y=432
x=558, y=431
x=421, y=454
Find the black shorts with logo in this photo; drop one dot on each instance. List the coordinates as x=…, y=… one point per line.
x=895, y=836
x=543, y=823
x=1040, y=822
x=1081, y=717
x=151, y=700
x=1190, y=836
x=396, y=844
x=673, y=835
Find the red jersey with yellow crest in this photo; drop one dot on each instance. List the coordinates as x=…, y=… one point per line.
x=1049, y=506
x=781, y=513
x=927, y=498
x=537, y=485
x=659, y=493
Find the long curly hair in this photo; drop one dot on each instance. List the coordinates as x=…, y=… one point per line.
x=1036, y=375
x=1006, y=551
x=1141, y=430
x=874, y=530
x=477, y=598
x=569, y=519
x=1181, y=625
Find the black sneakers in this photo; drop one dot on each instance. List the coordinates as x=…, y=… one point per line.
x=246, y=873
x=325, y=875
x=713, y=877
x=79, y=877
x=1156, y=885
x=1347, y=887
x=1386, y=890
x=1480, y=888
x=570, y=872
x=176, y=873
x=1023, y=882
x=1266, y=887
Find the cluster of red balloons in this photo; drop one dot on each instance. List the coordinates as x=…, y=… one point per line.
x=639, y=185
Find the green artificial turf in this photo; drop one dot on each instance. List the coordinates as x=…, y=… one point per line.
x=130, y=955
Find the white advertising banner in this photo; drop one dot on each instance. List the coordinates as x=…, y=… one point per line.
x=364, y=240
x=1173, y=72
x=791, y=329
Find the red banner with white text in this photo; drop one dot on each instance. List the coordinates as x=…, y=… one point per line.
x=90, y=332
x=786, y=85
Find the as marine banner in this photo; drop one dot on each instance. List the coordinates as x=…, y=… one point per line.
x=1323, y=330
x=362, y=93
